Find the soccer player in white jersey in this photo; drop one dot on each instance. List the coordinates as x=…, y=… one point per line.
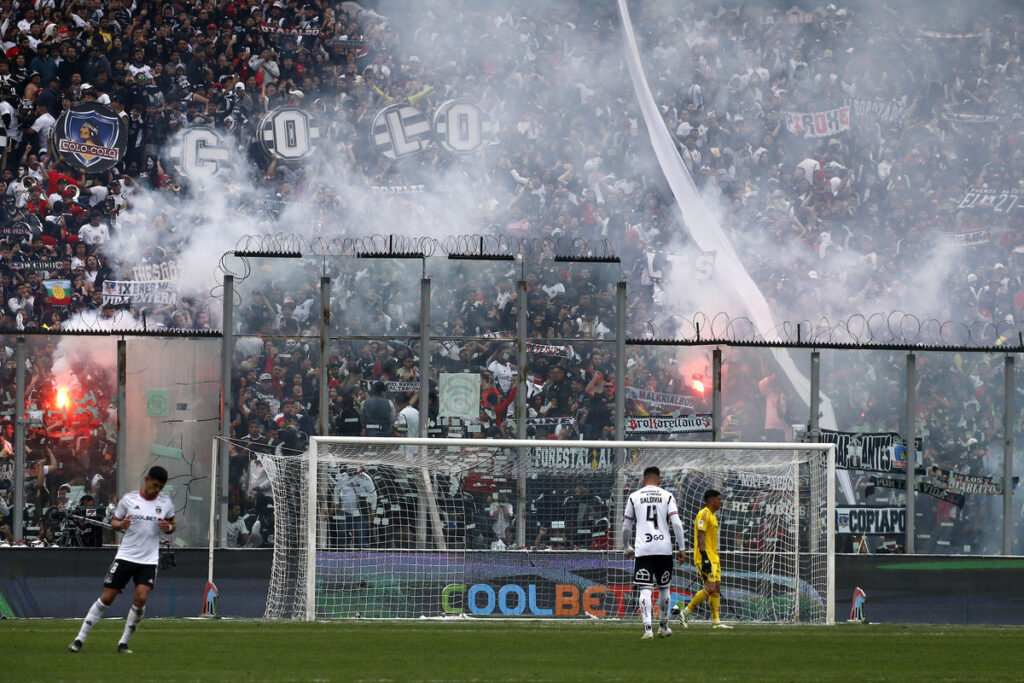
x=653, y=509
x=142, y=515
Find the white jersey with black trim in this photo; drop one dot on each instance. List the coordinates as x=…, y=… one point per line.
x=141, y=542
x=654, y=511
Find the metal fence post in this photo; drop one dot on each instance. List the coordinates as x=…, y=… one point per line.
x=19, y=440
x=1008, y=415
x=814, y=428
x=909, y=431
x=523, y=456
x=716, y=394
x=227, y=353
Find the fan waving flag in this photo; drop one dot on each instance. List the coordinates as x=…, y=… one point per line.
x=58, y=291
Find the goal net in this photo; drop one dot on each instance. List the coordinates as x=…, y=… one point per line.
x=386, y=528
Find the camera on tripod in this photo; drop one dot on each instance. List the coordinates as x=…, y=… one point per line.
x=167, y=560
x=78, y=526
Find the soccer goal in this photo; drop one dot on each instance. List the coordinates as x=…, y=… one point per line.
x=405, y=528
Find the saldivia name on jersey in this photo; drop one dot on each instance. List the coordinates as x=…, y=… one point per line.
x=651, y=509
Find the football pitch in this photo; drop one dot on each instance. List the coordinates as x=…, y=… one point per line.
x=470, y=650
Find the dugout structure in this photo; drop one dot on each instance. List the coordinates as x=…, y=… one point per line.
x=408, y=528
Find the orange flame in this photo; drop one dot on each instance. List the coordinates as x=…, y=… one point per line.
x=62, y=398
x=698, y=385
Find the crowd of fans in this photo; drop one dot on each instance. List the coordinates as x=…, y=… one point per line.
x=847, y=221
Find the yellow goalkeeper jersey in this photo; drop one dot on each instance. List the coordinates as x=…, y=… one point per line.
x=708, y=523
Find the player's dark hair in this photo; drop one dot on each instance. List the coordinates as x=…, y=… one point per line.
x=157, y=473
x=652, y=472
x=711, y=493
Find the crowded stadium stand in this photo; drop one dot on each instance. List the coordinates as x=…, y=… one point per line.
x=860, y=166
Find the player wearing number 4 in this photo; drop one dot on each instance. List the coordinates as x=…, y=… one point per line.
x=705, y=556
x=142, y=516
x=653, y=509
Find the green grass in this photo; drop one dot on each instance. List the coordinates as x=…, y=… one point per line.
x=472, y=650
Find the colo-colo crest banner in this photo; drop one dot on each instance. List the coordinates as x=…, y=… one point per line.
x=90, y=137
x=818, y=124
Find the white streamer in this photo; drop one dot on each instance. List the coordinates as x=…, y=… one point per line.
x=704, y=228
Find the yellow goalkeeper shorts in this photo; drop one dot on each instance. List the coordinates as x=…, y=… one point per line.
x=715, y=575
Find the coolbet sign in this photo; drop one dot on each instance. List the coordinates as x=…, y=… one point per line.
x=482, y=599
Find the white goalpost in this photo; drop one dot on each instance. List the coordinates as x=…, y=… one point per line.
x=403, y=528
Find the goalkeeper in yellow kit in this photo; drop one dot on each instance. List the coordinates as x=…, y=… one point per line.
x=705, y=556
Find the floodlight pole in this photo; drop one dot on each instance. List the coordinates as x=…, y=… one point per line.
x=1008, y=415
x=19, y=440
x=909, y=429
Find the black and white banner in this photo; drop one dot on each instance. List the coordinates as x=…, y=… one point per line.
x=886, y=111
x=397, y=189
x=990, y=199
x=551, y=421
x=566, y=458
x=975, y=483
x=873, y=521
x=877, y=451
x=791, y=18
x=659, y=398
x=818, y=124
x=40, y=265
x=349, y=44
x=267, y=28
x=550, y=350
x=400, y=130
x=969, y=238
x=972, y=118
x=164, y=270
x=668, y=424
x=132, y=292
x=948, y=36
x=392, y=385
x=928, y=488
